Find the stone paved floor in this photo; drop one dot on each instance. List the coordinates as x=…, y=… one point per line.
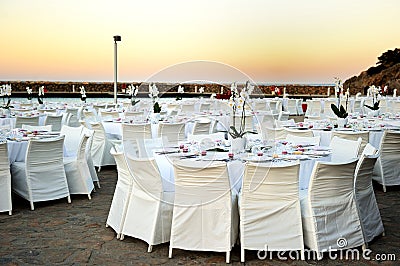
x=58, y=233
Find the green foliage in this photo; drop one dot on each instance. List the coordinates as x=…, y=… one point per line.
x=134, y=102
x=374, y=107
x=156, y=108
x=386, y=60
x=339, y=112
x=236, y=134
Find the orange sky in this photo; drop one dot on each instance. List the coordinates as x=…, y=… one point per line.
x=309, y=41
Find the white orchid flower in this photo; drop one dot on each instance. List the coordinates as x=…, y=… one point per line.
x=181, y=89
x=201, y=90
x=28, y=90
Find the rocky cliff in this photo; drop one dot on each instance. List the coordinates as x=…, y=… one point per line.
x=386, y=73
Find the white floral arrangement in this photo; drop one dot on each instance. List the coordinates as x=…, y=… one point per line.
x=338, y=86
x=29, y=91
x=5, y=94
x=153, y=94
x=83, y=93
x=238, y=102
x=132, y=91
x=41, y=94
x=375, y=93
x=201, y=90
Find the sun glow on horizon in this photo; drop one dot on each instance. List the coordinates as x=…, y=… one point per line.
x=306, y=41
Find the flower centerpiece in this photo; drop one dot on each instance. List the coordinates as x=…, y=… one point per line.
x=132, y=92
x=201, y=90
x=5, y=94
x=238, y=102
x=339, y=110
x=153, y=94
x=375, y=92
x=181, y=91
x=29, y=91
x=83, y=94
x=41, y=94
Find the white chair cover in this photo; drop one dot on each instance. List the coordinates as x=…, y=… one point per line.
x=146, y=147
x=387, y=170
x=149, y=213
x=55, y=120
x=343, y=149
x=329, y=209
x=273, y=134
x=213, y=137
x=132, y=132
x=299, y=133
x=122, y=194
x=74, y=115
x=77, y=171
x=174, y=132
x=21, y=120
x=47, y=128
x=5, y=180
x=364, y=135
x=72, y=139
x=303, y=140
x=41, y=177
x=201, y=126
x=269, y=196
x=89, y=159
x=101, y=146
x=205, y=214
x=365, y=197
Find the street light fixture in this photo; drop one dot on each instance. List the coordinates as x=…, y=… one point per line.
x=117, y=38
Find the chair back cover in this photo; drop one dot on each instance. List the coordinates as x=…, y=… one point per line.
x=54, y=120
x=270, y=195
x=132, y=132
x=21, y=120
x=72, y=139
x=365, y=197
x=343, y=149
x=299, y=133
x=387, y=171
x=174, y=132
x=203, y=216
x=5, y=179
x=47, y=128
x=272, y=134
x=364, y=135
x=45, y=175
x=202, y=126
x=332, y=209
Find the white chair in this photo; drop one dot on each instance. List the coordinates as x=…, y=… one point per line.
x=291, y=106
x=269, y=207
x=77, y=171
x=283, y=116
x=313, y=108
x=370, y=216
x=122, y=194
x=101, y=146
x=343, y=149
x=364, y=135
x=72, y=139
x=89, y=116
x=272, y=134
x=149, y=212
x=5, y=180
x=204, y=107
x=74, y=115
x=303, y=140
x=174, y=132
x=89, y=159
x=21, y=120
x=329, y=210
x=299, y=133
x=201, y=126
x=187, y=108
x=386, y=170
x=108, y=115
x=41, y=177
x=132, y=132
x=47, y=128
x=55, y=120
x=205, y=214
x=280, y=124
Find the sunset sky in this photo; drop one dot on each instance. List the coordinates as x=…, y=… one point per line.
x=286, y=41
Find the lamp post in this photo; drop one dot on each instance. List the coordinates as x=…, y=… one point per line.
x=117, y=38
